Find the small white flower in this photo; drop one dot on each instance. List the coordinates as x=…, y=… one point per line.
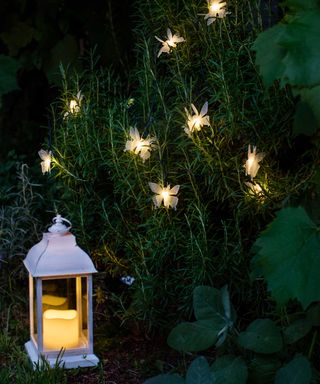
x=139, y=146
x=74, y=105
x=216, y=10
x=165, y=194
x=170, y=43
x=252, y=164
x=46, y=160
x=127, y=280
x=198, y=120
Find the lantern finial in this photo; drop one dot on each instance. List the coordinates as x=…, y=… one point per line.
x=58, y=226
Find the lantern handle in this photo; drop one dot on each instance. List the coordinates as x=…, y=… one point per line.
x=58, y=226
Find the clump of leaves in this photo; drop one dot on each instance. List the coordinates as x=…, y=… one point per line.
x=270, y=359
x=287, y=255
x=289, y=52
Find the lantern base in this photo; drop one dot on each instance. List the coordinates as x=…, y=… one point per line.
x=67, y=362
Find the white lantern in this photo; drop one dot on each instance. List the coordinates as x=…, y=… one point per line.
x=60, y=291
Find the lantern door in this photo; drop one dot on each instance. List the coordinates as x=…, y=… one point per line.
x=60, y=314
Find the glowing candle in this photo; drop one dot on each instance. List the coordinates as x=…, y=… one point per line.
x=60, y=329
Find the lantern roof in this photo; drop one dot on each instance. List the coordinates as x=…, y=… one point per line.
x=58, y=254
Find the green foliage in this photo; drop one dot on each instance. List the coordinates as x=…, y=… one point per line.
x=206, y=240
x=229, y=370
x=19, y=224
x=289, y=52
x=199, y=372
x=104, y=190
x=16, y=368
x=268, y=344
x=297, y=371
x=270, y=54
x=291, y=239
x=261, y=336
x=225, y=370
x=297, y=330
x=212, y=309
x=196, y=336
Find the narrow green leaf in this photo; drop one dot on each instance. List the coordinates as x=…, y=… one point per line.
x=298, y=371
x=289, y=257
x=199, y=372
x=229, y=370
x=165, y=379
x=297, y=330
x=196, y=336
x=261, y=336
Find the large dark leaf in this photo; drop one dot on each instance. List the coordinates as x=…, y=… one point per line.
x=269, y=54
x=301, y=41
x=297, y=330
x=261, y=336
x=206, y=302
x=298, y=371
x=289, y=257
x=229, y=370
x=302, y=4
x=196, y=336
x=199, y=372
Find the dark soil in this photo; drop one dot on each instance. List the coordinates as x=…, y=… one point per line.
x=132, y=362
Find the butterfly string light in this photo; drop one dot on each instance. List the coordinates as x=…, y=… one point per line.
x=252, y=163
x=74, y=105
x=138, y=145
x=216, y=10
x=196, y=121
x=46, y=157
x=171, y=42
x=165, y=195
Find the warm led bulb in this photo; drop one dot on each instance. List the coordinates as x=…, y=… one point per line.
x=215, y=7
x=171, y=42
x=165, y=194
x=47, y=163
x=73, y=106
x=197, y=123
x=250, y=162
x=139, y=145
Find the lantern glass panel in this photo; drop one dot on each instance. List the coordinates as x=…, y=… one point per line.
x=64, y=313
